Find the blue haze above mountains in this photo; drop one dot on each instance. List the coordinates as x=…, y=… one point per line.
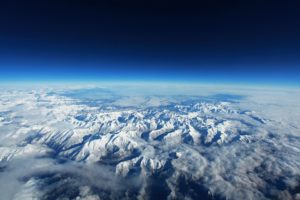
x=252, y=42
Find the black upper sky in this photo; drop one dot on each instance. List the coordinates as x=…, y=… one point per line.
x=215, y=36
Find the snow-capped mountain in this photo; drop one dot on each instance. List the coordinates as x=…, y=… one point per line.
x=167, y=147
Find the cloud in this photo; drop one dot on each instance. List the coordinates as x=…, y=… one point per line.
x=54, y=146
x=45, y=178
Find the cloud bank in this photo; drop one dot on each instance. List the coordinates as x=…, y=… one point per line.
x=221, y=146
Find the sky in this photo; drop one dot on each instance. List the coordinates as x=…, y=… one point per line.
x=241, y=42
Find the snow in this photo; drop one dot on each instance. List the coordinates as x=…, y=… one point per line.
x=222, y=143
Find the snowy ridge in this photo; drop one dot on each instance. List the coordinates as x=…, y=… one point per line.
x=195, y=139
x=81, y=132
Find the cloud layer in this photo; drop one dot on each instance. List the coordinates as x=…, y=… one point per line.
x=56, y=146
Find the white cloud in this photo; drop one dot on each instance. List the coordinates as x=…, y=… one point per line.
x=243, y=150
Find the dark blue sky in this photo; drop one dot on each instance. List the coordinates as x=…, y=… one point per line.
x=209, y=41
